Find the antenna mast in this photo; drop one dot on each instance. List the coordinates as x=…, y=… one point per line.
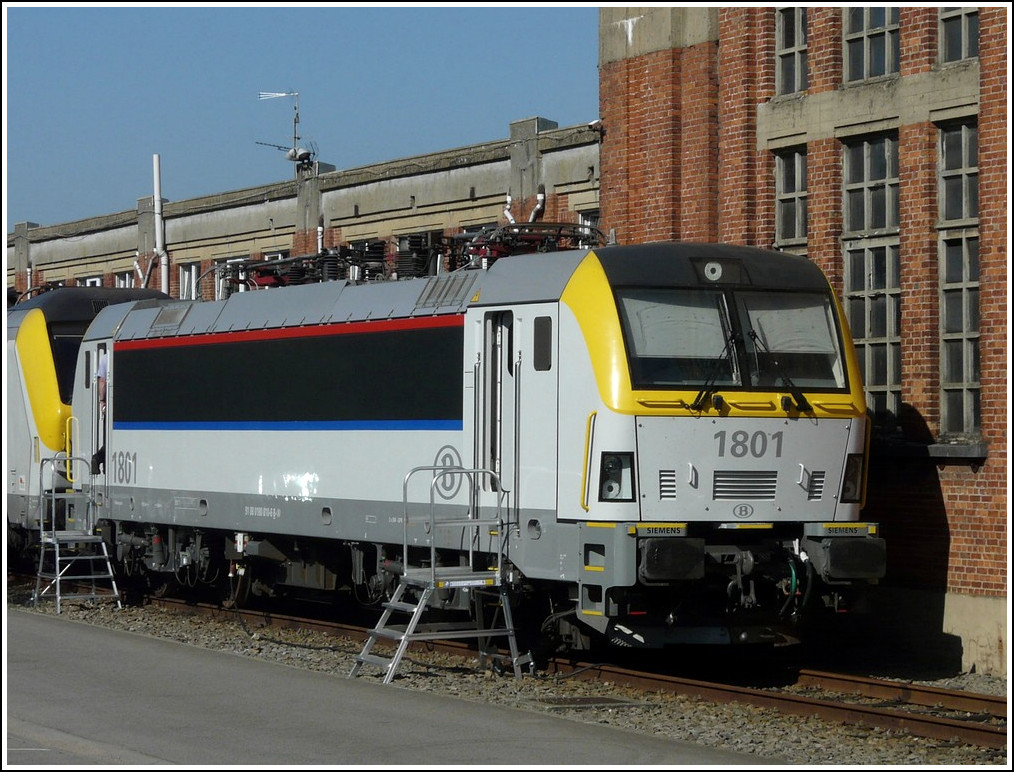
x=295, y=119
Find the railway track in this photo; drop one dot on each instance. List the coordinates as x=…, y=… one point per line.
x=922, y=711
x=899, y=706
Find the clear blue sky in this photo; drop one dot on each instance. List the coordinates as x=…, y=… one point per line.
x=91, y=94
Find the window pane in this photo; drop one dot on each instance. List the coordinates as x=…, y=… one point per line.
x=895, y=363
x=878, y=159
x=857, y=272
x=857, y=221
x=878, y=207
x=877, y=18
x=953, y=364
x=804, y=75
x=855, y=59
x=973, y=309
x=878, y=55
x=953, y=263
x=879, y=365
x=973, y=259
x=973, y=195
x=788, y=75
x=952, y=311
x=857, y=317
x=973, y=355
x=952, y=198
x=973, y=34
x=952, y=150
x=788, y=19
x=855, y=19
x=788, y=164
x=951, y=34
x=854, y=162
x=878, y=278
x=954, y=413
x=788, y=219
x=878, y=317
x=879, y=404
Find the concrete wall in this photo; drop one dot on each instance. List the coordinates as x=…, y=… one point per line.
x=445, y=192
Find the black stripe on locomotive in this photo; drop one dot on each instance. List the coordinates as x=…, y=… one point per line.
x=391, y=375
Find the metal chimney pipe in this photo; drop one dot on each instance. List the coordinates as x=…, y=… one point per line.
x=163, y=258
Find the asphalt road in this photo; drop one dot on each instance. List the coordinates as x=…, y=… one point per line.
x=82, y=695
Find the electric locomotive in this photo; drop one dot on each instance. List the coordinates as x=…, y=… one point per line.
x=676, y=434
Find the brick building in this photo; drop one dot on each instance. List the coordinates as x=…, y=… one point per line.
x=873, y=140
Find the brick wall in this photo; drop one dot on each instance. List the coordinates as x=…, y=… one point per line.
x=659, y=175
x=745, y=76
x=681, y=160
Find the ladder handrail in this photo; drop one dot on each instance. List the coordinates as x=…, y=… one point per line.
x=471, y=521
x=51, y=493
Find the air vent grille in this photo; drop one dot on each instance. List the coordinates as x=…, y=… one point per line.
x=729, y=485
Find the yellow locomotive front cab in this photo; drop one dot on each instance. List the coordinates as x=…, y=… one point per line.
x=730, y=438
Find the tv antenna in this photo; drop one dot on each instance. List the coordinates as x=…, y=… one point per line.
x=300, y=155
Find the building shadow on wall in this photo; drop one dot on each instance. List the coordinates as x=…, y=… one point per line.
x=896, y=628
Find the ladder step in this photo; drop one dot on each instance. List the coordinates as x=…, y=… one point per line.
x=373, y=659
x=450, y=576
x=401, y=606
x=71, y=537
x=392, y=633
x=443, y=633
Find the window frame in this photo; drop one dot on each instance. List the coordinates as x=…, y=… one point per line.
x=189, y=276
x=966, y=173
x=867, y=184
x=797, y=198
x=791, y=52
x=959, y=284
x=867, y=36
x=876, y=296
x=968, y=35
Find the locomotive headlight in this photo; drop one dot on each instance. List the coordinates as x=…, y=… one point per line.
x=852, y=479
x=616, y=477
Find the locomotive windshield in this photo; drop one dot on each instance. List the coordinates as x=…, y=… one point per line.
x=753, y=339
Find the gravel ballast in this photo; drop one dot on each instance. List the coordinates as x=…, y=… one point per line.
x=763, y=732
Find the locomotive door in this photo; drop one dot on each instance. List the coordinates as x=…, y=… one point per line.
x=499, y=420
x=98, y=372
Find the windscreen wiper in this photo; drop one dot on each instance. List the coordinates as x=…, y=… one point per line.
x=795, y=391
x=708, y=389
